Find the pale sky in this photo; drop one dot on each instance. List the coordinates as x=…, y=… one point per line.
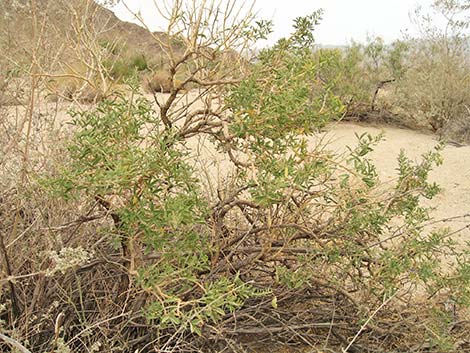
x=343, y=20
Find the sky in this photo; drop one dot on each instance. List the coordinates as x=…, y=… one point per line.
x=343, y=20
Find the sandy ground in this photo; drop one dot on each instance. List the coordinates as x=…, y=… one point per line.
x=453, y=176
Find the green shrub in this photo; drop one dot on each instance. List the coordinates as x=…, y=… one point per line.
x=342, y=70
x=421, y=83
x=293, y=226
x=358, y=72
x=122, y=68
x=139, y=62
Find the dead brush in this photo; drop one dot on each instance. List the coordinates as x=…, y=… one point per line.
x=72, y=89
x=160, y=82
x=457, y=130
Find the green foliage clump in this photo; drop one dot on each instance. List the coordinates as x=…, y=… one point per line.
x=283, y=96
x=124, y=68
x=417, y=82
x=294, y=224
x=358, y=72
x=161, y=210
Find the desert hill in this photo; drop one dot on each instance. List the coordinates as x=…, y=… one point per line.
x=57, y=20
x=80, y=48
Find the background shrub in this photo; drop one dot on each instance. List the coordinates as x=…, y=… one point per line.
x=123, y=68
x=158, y=82
x=421, y=83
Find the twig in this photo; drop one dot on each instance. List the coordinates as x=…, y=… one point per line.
x=14, y=343
x=367, y=322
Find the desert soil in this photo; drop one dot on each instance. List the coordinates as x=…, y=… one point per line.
x=453, y=176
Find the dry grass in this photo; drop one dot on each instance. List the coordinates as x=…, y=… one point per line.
x=159, y=82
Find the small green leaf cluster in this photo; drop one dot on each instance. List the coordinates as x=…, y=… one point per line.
x=216, y=300
x=123, y=67
x=283, y=96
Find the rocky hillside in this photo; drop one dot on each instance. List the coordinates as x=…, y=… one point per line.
x=58, y=23
x=81, y=50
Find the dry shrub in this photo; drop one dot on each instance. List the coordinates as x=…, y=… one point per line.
x=3, y=88
x=71, y=88
x=458, y=129
x=3, y=83
x=434, y=91
x=52, y=254
x=11, y=91
x=71, y=92
x=159, y=82
x=31, y=242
